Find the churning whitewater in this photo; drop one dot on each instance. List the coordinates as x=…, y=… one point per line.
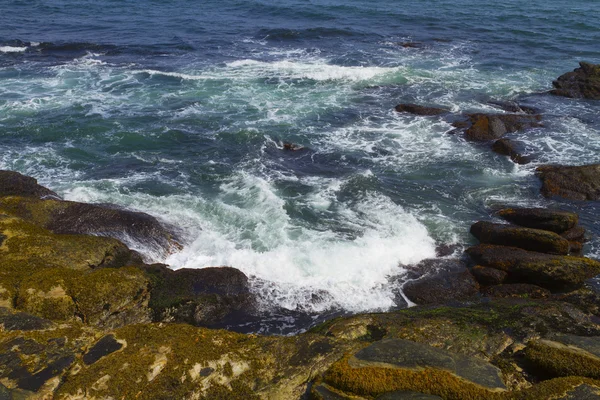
x=187, y=121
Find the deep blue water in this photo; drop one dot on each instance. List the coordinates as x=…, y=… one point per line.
x=180, y=109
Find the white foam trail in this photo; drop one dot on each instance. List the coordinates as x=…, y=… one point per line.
x=12, y=49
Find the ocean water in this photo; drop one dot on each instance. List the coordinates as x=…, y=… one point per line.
x=181, y=108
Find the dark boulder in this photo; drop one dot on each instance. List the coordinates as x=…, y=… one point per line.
x=523, y=290
x=571, y=182
x=420, y=110
x=14, y=184
x=483, y=127
x=524, y=238
x=541, y=218
x=204, y=297
x=513, y=149
x=554, y=272
x=451, y=281
x=487, y=276
x=583, y=82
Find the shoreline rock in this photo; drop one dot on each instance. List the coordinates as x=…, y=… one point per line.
x=583, y=82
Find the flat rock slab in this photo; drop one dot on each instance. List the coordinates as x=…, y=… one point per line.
x=583, y=82
x=553, y=272
x=571, y=182
x=525, y=238
x=105, y=346
x=405, y=354
x=541, y=218
x=407, y=395
x=20, y=321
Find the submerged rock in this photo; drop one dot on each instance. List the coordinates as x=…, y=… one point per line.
x=583, y=82
x=512, y=149
x=571, y=182
x=541, y=218
x=554, y=272
x=484, y=127
x=420, y=110
x=524, y=238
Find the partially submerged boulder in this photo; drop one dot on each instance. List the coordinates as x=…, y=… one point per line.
x=484, y=127
x=571, y=182
x=541, y=218
x=583, y=82
x=524, y=238
x=446, y=280
x=420, y=110
x=513, y=149
x=554, y=272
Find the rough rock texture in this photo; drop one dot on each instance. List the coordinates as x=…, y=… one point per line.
x=523, y=290
x=487, y=276
x=571, y=182
x=204, y=297
x=541, y=218
x=583, y=82
x=420, y=110
x=15, y=184
x=557, y=273
x=448, y=281
x=513, y=149
x=566, y=355
x=524, y=238
x=484, y=127
x=67, y=217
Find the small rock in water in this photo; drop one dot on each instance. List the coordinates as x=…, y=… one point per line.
x=511, y=148
x=420, y=110
x=292, y=146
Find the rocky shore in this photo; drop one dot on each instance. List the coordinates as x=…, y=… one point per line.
x=84, y=316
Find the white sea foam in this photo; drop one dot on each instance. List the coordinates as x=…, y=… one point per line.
x=12, y=49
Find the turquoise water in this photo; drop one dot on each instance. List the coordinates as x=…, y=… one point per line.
x=181, y=110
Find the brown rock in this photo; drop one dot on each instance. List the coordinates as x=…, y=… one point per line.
x=512, y=149
x=524, y=238
x=14, y=184
x=571, y=182
x=554, y=272
x=484, y=127
x=488, y=276
x=541, y=218
x=420, y=110
x=583, y=82
x=442, y=287
x=517, y=290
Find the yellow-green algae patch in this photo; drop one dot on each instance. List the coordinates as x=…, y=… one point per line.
x=558, y=359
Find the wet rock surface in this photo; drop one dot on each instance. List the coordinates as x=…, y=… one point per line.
x=583, y=82
x=541, y=218
x=522, y=290
x=14, y=184
x=514, y=149
x=571, y=182
x=485, y=127
x=420, y=110
x=524, y=238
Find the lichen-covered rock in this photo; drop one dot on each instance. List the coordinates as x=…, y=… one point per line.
x=522, y=290
x=203, y=297
x=14, y=184
x=571, y=182
x=525, y=238
x=68, y=217
x=541, y=218
x=554, y=272
x=583, y=82
x=420, y=110
x=513, y=149
x=566, y=355
x=485, y=127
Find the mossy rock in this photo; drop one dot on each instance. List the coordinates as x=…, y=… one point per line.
x=554, y=272
x=571, y=182
x=15, y=184
x=106, y=298
x=525, y=238
x=566, y=356
x=68, y=217
x=541, y=218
